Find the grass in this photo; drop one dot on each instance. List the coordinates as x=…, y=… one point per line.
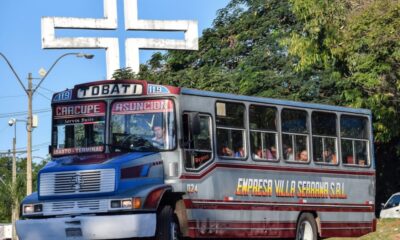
x=387, y=229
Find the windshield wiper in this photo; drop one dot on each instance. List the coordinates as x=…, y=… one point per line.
x=136, y=144
x=118, y=146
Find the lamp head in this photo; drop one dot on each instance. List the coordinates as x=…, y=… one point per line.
x=87, y=56
x=11, y=121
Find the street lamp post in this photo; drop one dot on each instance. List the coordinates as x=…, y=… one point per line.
x=14, y=210
x=30, y=92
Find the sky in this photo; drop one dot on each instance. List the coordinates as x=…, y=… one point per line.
x=20, y=42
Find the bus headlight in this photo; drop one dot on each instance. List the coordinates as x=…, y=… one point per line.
x=29, y=209
x=126, y=203
x=133, y=203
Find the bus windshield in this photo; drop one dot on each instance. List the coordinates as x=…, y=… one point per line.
x=78, y=128
x=145, y=125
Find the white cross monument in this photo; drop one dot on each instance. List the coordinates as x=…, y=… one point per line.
x=109, y=22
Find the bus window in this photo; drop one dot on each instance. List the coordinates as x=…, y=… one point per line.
x=324, y=137
x=230, y=130
x=263, y=132
x=198, y=147
x=295, y=135
x=78, y=128
x=143, y=125
x=354, y=138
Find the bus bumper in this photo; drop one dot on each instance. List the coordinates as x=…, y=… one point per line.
x=88, y=227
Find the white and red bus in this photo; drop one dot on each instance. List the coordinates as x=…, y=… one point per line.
x=136, y=159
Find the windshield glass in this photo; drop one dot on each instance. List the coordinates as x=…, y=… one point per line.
x=393, y=202
x=145, y=125
x=78, y=128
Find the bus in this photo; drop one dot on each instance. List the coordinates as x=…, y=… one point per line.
x=133, y=159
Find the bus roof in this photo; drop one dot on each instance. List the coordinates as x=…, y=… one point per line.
x=150, y=89
x=188, y=91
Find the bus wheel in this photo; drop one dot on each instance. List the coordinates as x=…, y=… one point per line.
x=167, y=225
x=306, y=227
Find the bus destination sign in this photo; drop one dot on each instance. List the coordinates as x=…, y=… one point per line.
x=109, y=90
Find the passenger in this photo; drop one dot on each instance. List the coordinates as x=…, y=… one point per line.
x=239, y=152
x=271, y=154
x=226, y=151
x=329, y=156
x=349, y=159
x=362, y=162
x=266, y=153
x=259, y=153
x=289, y=154
x=303, y=157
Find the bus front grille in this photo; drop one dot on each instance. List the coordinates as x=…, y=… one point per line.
x=77, y=182
x=71, y=207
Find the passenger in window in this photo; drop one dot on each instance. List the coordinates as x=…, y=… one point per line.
x=226, y=151
x=349, y=160
x=303, y=156
x=289, y=154
x=260, y=154
x=272, y=153
x=362, y=162
x=239, y=152
x=329, y=156
x=266, y=153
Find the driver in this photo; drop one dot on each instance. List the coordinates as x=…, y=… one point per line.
x=158, y=138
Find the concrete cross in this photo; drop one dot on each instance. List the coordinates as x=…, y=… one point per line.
x=109, y=22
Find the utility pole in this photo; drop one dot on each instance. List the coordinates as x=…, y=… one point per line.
x=30, y=92
x=13, y=188
x=29, y=134
x=14, y=214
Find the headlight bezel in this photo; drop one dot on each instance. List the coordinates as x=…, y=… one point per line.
x=126, y=203
x=32, y=209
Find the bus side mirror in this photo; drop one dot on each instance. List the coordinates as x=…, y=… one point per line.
x=194, y=120
x=50, y=149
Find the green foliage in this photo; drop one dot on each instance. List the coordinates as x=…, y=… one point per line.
x=358, y=42
x=371, y=49
x=313, y=44
x=243, y=54
x=7, y=193
x=124, y=73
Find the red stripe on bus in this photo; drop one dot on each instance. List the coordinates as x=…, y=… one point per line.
x=240, y=233
x=346, y=224
x=275, y=168
x=275, y=206
x=225, y=229
x=240, y=224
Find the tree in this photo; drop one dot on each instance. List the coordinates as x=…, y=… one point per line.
x=8, y=196
x=124, y=73
x=371, y=49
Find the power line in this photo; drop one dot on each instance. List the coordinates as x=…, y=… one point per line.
x=13, y=96
x=23, y=113
x=9, y=152
x=38, y=146
x=44, y=96
x=46, y=89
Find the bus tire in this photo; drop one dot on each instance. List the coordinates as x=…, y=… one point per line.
x=306, y=227
x=167, y=225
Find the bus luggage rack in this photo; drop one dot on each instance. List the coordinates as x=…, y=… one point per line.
x=71, y=207
x=77, y=182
